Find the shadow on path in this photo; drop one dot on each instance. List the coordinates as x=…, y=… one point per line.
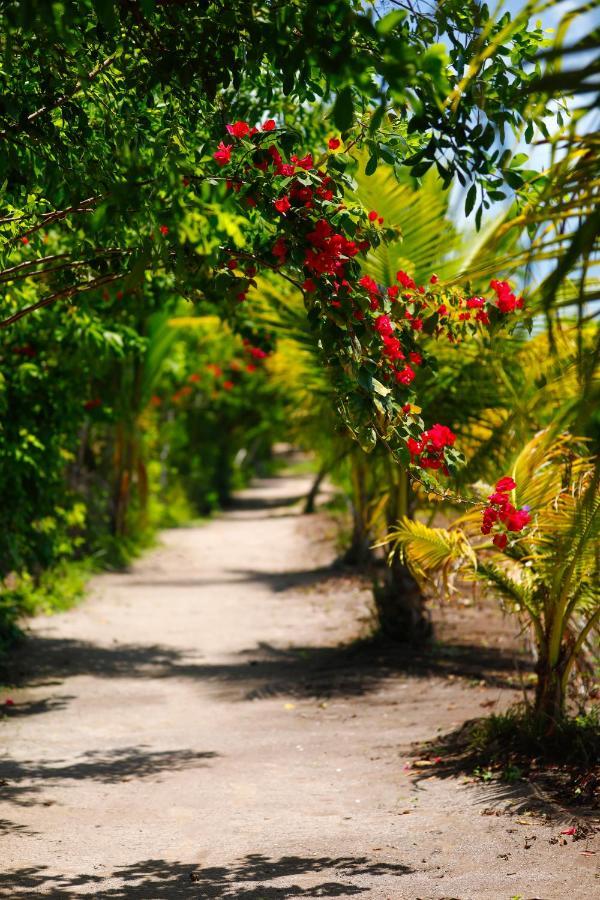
x=248, y=879
x=21, y=781
x=264, y=670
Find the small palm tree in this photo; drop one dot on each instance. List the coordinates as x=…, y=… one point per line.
x=550, y=574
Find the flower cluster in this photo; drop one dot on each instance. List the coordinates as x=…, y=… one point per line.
x=371, y=332
x=501, y=516
x=428, y=452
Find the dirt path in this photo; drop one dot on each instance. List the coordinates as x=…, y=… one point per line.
x=196, y=729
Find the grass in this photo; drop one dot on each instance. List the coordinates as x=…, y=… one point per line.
x=515, y=746
x=56, y=589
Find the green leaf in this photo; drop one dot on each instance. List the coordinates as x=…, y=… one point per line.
x=343, y=110
x=389, y=22
x=371, y=165
x=470, y=201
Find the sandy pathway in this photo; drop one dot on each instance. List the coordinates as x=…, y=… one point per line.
x=195, y=729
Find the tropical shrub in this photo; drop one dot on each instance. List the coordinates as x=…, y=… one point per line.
x=549, y=575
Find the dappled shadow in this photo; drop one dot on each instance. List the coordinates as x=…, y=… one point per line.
x=511, y=787
x=35, y=707
x=250, y=878
x=354, y=669
x=324, y=576
x=252, y=502
x=9, y=827
x=20, y=780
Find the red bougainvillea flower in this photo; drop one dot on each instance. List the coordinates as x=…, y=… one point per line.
x=506, y=300
x=307, y=162
x=405, y=280
x=269, y=125
x=392, y=292
x=280, y=250
x=383, y=324
x=282, y=205
x=368, y=283
x=285, y=169
x=257, y=352
x=223, y=153
x=163, y=230
x=406, y=375
x=239, y=129
x=475, y=302
x=333, y=143
x=505, y=484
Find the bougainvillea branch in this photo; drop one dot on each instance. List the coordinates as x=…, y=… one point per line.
x=370, y=335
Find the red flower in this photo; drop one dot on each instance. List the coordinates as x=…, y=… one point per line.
x=285, y=169
x=442, y=309
x=280, y=250
x=24, y=240
x=415, y=358
x=505, y=484
x=384, y=326
x=194, y=377
x=506, y=300
x=405, y=280
x=392, y=292
x=269, y=125
x=475, y=302
x=257, y=352
x=282, y=205
x=228, y=385
x=373, y=215
x=517, y=519
x=306, y=162
x=9, y=702
x=223, y=154
x=239, y=129
x=369, y=284
x=309, y=285
x=500, y=540
x=434, y=279
x=163, y=230
x=405, y=375
x=392, y=348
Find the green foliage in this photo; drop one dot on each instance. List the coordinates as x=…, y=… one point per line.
x=550, y=576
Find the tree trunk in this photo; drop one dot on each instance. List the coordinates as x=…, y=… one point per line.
x=311, y=497
x=549, y=701
x=359, y=552
x=401, y=609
